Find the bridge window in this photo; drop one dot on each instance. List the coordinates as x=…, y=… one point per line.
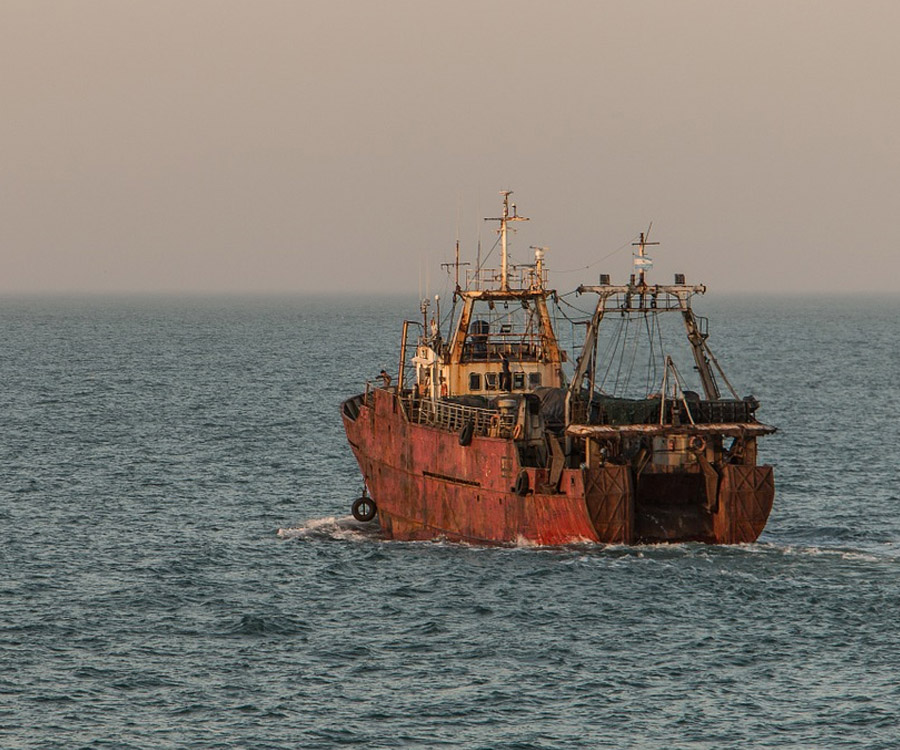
x=534, y=379
x=518, y=381
x=490, y=381
x=474, y=381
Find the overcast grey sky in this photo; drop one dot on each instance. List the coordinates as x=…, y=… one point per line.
x=215, y=145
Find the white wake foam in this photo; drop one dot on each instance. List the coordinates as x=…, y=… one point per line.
x=345, y=528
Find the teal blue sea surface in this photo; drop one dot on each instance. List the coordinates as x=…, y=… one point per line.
x=151, y=450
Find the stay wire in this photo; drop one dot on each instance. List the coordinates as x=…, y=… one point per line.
x=621, y=357
x=586, y=313
x=634, y=348
x=651, y=360
x=600, y=260
x=611, y=349
x=662, y=347
x=490, y=252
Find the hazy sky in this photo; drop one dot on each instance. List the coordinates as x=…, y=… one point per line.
x=321, y=146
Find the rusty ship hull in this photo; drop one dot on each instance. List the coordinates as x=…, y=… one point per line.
x=428, y=485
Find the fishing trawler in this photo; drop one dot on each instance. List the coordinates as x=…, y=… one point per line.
x=490, y=436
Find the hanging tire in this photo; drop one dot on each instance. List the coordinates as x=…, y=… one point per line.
x=363, y=509
x=466, y=433
x=522, y=483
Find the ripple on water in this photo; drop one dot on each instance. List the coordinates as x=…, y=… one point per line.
x=150, y=449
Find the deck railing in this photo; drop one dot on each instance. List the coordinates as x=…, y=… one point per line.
x=450, y=416
x=518, y=277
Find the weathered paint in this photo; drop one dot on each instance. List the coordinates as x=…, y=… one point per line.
x=746, y=494
x=426, y=485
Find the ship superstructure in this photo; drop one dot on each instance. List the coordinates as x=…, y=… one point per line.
x=503, y=332
x=491, y=442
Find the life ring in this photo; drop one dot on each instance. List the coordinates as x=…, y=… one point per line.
x=517, y=432
x=495, y=421
x=698, y=443
x=522, y=483
x=363, y=509
x=466, y=433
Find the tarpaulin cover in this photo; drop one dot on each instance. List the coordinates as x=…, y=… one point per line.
x=609, y=410
x=604, y=409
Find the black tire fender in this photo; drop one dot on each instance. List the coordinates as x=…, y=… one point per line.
x=364, y=509
x=466, y=433
x=522, y=483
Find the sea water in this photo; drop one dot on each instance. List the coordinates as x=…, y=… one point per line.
x=180, y=570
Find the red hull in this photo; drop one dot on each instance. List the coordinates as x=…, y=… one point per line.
x=426, y=485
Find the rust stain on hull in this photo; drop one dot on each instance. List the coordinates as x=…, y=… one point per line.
x=426, y=486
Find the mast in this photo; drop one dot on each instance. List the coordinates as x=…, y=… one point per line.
x=504, y=220
x=477, y=266
x=455, y=265
x=642, y=262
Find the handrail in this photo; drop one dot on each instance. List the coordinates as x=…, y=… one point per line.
x=520, y=277
x=450, y=416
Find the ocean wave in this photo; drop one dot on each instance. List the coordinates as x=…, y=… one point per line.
x=876, y=552
x=267, y=624
x=345, y=529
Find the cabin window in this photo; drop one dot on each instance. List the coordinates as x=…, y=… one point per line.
x=490, y=381
x=534, y=379
x=518, y=381
x=479, y=332
x=474, y=381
